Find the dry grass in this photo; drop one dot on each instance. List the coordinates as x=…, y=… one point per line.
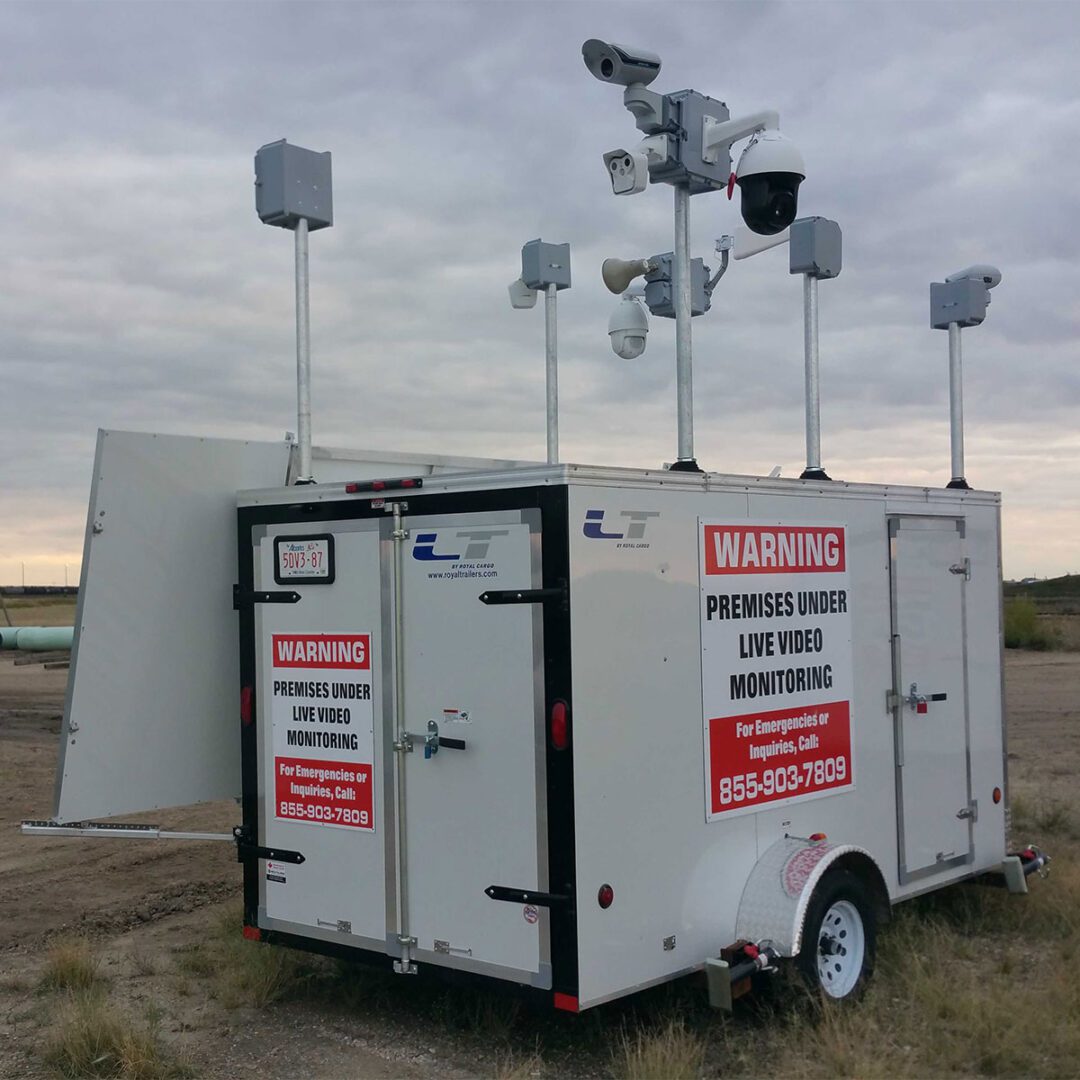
x=71, y=964
x=519, y=1066
x=671, y=1052
x=92, y=1039
x=242, y=972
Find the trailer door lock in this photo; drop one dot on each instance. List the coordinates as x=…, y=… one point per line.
x=431, y=741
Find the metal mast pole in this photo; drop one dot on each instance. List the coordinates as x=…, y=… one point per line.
x=684, y=381
x=303, y=355
x=551, y=343
x=956, y=408
x=813, y=470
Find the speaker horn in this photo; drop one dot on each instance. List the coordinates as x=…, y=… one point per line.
x=618, y=273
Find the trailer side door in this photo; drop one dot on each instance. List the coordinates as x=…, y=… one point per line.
x=928, y=574
x=472, y=676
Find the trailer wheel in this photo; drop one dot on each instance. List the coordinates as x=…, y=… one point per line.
x=839, y=937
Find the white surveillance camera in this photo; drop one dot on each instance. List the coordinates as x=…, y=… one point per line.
x=628, y=171
x=988, y=275
x=521, y=296
x=628, y=328
x=620, y=64
x=769, y=173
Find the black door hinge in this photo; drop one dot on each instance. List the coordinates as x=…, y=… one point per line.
x=527, y=896
x=242, y=598
x=245, y=849
x=528, y=596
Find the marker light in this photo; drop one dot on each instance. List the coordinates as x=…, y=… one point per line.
x=245, y=705
x=560, y=726
x=604, y=896
x=997, y=795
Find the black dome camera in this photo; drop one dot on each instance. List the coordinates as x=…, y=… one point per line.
x=769, y=174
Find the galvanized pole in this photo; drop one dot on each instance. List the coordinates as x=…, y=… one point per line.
x=551, y=343
x=956, y=408
x=684, y=381
x=303, y=355
x=813, y=470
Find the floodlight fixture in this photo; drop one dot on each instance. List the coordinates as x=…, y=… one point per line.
x=545, y=268
x=293, y=190
x=958, y=302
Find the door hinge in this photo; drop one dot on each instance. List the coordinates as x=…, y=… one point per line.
x=559, y=593
x=962, y=567
x=527, y=896
x=242, y=598
x=245, y=849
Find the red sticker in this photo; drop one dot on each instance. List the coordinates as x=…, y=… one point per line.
x=764, y=757
x=323, y=792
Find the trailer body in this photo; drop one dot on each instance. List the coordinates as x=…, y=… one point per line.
x=578, y=729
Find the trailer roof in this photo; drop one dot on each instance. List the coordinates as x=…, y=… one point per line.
x=615, y=477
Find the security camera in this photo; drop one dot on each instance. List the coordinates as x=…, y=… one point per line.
x=628, y=171
x=620, y=64
x=988, y=275
x=628, y=327
x=769, y=173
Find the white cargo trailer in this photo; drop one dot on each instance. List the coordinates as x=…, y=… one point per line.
x=582, y=729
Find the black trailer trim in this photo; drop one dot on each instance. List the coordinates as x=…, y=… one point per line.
x=553, y=503
x=526, y=596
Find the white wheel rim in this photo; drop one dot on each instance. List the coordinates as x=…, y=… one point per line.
x=841, y=949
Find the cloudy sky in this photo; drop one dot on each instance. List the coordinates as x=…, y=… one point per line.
x=138, y=289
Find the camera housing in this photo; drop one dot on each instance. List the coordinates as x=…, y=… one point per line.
x=628, y=328
x=623, y=65
x=988, y=275
x=769, y=173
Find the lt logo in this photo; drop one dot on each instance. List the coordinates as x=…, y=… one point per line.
x=635, y=529
x=479, y=540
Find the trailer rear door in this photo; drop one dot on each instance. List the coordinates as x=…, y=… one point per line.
x=928, y=573
x=474, y=807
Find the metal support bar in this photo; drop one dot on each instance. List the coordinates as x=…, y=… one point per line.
x=114, y=831
x=551, y=344
x=956, y=408
x=813, y=470
x=404, y=965
x=303, y=355
x=684, y=379
x=523, y=596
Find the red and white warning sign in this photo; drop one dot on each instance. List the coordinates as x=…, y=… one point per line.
x=323, y=723
x=776, y=664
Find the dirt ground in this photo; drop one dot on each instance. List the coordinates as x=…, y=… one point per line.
x=144, y=904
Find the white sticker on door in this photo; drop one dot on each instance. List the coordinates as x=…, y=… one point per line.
x=323, y=729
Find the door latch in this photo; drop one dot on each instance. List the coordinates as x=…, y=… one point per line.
x=918, y=701
x=962, y=567
x=431, y=741
x=970, y=811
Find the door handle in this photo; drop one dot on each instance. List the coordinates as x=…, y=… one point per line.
x=432, y=741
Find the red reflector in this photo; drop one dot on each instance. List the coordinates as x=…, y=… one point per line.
x=997, y=795
x=604, y=896
x=920, y=707
x=252, y=933
x=817, y=837
x=566, y=1002
x=560, y=726
x=245, y=704
x=730, y=186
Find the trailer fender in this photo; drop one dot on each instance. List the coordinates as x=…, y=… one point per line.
x=777, y=893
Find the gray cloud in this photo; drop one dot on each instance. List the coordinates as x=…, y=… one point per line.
x=139, y=290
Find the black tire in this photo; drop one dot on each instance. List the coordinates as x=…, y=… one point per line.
x=825, y=959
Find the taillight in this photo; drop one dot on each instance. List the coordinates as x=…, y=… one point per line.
x=604, y=896
x=560, y=725
x=252, y=933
